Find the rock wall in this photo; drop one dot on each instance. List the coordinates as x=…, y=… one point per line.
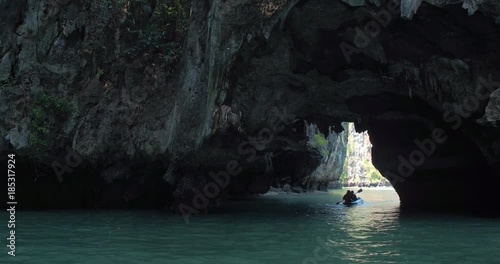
x=332, y=149
x=359, y=155
x=150, y=123
x=359, y=169
x=410, y=7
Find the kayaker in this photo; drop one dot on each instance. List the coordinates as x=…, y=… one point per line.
x=347, y=197
x=353, y=196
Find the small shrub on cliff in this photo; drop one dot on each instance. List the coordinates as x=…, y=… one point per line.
x=47, y=113
x=162, y=32
x=375, y=176
x=9, y=81
x=343, y=177
x=320, y=143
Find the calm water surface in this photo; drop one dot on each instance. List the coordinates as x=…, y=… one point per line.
x=269, y=229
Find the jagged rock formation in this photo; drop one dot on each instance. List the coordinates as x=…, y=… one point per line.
x=410, y=7
x=359, y=170
x=333, y=151
x=251, y=73
x=358, y=155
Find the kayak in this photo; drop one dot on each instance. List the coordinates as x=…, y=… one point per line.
x=358, y=201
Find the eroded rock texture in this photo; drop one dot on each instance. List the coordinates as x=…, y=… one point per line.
x=251, y=74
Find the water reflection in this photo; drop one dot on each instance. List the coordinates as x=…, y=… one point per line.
x=269, y=229
x=356, y=231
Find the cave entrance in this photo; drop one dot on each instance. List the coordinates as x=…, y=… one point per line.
x=358, y=170
x=400, y=90
x=433, y=160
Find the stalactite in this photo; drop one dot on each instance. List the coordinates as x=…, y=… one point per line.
x=268, y=157
x=410, y=7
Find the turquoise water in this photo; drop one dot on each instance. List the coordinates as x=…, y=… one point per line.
x=267, y=229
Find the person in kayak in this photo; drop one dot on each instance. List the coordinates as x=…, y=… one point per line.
x=350, y=197
x=347, y=197
x=353, y=196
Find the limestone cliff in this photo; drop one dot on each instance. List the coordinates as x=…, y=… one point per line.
x=143, y=101
x=359, y=170
x=332, y=149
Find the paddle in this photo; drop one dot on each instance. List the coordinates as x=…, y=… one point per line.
x=360, y=190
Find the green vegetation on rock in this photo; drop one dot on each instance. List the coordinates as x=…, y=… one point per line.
x=162, y=34
x=321, y=144
x=343, y=177
x=7, y=81
x=373, y=175
x=46, y=115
